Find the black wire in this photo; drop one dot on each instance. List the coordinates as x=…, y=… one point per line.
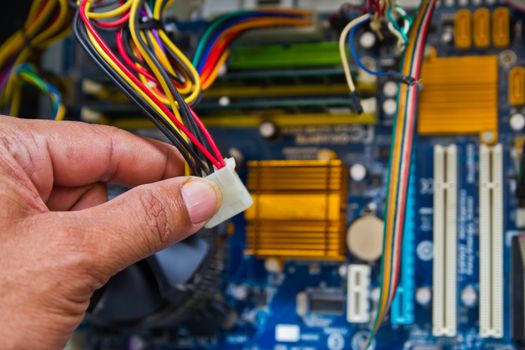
x=176, y=58
x=184, y=109
x=195, y=163
x=132, y=55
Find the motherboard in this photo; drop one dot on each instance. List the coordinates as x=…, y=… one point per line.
x=305, y=266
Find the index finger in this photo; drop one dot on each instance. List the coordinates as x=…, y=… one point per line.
x=74, y=154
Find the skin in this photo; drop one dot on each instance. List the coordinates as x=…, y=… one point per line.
x=60, y=239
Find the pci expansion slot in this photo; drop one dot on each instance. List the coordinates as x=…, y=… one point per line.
x=444, y=288
x=491, y=241
x=403, y=304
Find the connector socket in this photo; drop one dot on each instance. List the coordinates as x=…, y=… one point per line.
x=235, y=196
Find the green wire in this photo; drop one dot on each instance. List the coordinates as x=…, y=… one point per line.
x=210, y=30
x=392, y=20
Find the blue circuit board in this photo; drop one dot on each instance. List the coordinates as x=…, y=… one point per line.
x=273, y=301
x=362, y=144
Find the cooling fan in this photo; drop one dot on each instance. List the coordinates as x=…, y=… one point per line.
x=180, y=283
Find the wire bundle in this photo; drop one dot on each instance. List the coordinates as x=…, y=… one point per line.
x=212, y=50
x=48, y=22
x=400, y=161
x=374, y=18
x=151, y=71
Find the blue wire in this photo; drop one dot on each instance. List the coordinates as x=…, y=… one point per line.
x=351, y=40
x=238, y=20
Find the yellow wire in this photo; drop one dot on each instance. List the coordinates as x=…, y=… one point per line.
x=16, y=99
x=117, y=69
x=186, y=62
x=134, y=34
x=157, y=14
x=111, y=13
x=396, y=159
x=47, y=37
x=61, y=112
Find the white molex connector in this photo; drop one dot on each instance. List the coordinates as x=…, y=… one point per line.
x=235, y=196
x=358, y=292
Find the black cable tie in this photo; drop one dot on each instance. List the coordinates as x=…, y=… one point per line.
x=355, y=102
x=401, y=78
x=150, y=23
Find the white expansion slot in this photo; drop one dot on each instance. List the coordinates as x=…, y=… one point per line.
x=358, y=292
x=444, y=285
x=491, y=241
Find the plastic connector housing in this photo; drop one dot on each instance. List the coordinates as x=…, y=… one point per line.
x=235, y=196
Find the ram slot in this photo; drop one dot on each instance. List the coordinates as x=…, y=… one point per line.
x=491, y=241
x=358, y=293
x=445, y=242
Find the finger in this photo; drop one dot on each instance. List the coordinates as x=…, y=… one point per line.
x=73, y=154
x=143, y=220
x=78, y=198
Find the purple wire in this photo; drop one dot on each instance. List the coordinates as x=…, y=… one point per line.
x=4, y=77
x=143, y=13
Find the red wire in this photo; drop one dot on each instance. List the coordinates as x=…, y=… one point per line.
x=417, y=70
x=216, y=53
x=208, y=137
x=135, y=80
x=114, y=24
x=137, y=68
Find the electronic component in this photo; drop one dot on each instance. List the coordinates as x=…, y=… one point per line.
x=518, y=289
x=286, y=56
x=501, y=27
x=517, y=121
x=517, y=86
x=358, y=293
x=444, y=285
x=325, y=301
x=481, y=28
x=463, y=29
x=365, y=238
x=299, y=209
x=402, y=311
x=235, y=196
x=491, y=241
x=460, y=96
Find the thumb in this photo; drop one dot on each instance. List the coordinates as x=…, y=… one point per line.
x=147, y=219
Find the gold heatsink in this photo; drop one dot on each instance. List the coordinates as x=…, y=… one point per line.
x=299, y=209
x=460, y=96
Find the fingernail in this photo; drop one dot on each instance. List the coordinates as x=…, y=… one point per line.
x=200, y=198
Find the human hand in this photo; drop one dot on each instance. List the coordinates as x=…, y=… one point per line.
x=60, y=239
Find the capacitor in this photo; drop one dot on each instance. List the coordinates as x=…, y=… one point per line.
x=389, y=106
x=365, y=238
x=390, y=89
x=236, y=154
x=326, y=154
x=517, y=121
x=358, y=172
x=367, y=40
x=268, y=130
x=425, y=250
x=447, y=36
x=469, y=296
x=224, y=101
x=423, y=296
x=273, y=265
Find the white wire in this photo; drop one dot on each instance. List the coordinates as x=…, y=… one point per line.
x=342, y=48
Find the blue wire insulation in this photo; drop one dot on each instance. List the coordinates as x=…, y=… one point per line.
x=351, y=40
x=228, y=25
